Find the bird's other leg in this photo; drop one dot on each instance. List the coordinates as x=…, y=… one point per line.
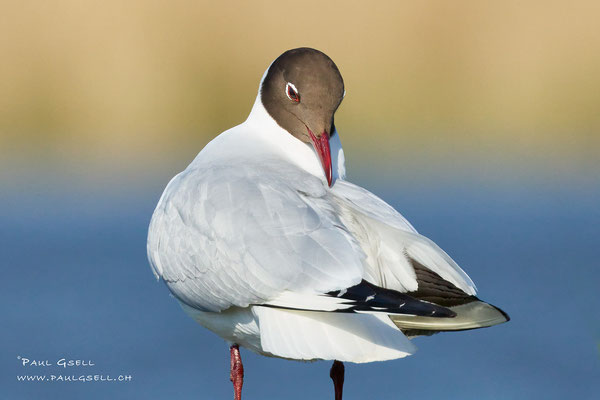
x=236, y=374
x=337, y=375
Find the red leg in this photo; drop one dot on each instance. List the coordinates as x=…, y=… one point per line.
x=337, y=375
x=237, y=372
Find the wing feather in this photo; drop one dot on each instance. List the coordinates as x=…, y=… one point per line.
x=228, y=235
x=237, y=235
x=391, y=242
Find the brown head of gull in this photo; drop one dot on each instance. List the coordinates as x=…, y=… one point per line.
x=302, y=90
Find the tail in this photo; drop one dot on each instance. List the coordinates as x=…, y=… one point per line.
x=473, y=314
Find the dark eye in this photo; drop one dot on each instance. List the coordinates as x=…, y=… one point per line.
x=292, y=92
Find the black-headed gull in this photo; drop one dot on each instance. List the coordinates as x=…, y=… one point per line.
x=263, y=242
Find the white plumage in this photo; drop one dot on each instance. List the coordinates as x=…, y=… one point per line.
x=252, y=222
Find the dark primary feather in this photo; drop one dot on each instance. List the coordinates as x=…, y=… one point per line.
x=434, y=289
x=367, y=297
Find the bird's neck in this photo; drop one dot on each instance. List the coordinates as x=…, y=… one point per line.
x=261, y=124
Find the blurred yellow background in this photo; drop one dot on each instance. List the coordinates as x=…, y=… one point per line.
x=114, y=84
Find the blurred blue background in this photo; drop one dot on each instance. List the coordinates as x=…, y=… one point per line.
x=77, y=285
x=477, y=120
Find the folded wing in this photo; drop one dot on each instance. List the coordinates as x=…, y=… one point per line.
x=391, y=242
x=235, y=235
x=401, y=259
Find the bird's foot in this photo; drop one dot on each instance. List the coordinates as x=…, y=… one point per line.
x=337, y=375
x=236, y=374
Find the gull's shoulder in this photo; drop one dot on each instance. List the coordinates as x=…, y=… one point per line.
x=235, y=229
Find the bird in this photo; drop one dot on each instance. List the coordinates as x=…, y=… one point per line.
x=263, y=241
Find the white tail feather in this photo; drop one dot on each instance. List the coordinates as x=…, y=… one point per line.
x=308, y=335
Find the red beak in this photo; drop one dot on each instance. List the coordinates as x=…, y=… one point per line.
x=321, y=145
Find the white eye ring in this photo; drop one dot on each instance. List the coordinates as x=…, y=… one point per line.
x=291, y=86
x=344, y=95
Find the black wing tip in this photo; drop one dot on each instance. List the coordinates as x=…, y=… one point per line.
x=367, y=297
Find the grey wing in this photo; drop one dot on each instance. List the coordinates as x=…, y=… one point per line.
x=392, y=245
x=226, y=236
x=401, y=259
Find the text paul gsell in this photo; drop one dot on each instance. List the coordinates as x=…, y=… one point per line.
x=63, y=362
